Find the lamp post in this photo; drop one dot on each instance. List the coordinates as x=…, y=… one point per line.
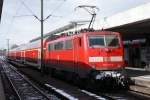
x=8, y=47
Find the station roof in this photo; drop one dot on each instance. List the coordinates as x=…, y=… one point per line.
x=134, y=22
x=1, y=6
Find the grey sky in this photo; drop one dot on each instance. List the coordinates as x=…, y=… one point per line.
x=22, y=29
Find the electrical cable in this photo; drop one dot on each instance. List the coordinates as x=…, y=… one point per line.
x=12, y=20
x=51, y=14
x=33, y=14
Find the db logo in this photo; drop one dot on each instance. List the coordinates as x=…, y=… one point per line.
x=106, y=59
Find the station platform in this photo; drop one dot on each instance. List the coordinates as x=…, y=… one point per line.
x=140, y=79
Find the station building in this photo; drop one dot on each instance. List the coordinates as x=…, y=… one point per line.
x=134, y=25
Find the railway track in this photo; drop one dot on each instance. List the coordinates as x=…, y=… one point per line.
x=24, y=89
x=81, y=94
x=65, y=91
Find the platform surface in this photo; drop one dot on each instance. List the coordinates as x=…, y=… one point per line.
x=140, y=77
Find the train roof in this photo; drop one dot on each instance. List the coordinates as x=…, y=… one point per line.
x=71, y=25
x=30, y=45
x=59, y=37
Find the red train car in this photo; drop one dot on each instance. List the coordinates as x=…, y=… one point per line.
x=95, y=55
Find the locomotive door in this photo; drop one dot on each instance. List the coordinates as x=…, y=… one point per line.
x=39, y=58
x=22, y=56
x=75, y=54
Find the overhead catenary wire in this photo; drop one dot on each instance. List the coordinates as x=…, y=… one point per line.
x=10, y=26
x=22, y=3
x=92, y=11
x=22, y=15
x=51, y=14
x=33, y=14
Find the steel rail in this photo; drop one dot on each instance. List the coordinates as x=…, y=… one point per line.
x=22, y=85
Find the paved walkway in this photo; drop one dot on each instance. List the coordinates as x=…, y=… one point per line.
x=140, y=77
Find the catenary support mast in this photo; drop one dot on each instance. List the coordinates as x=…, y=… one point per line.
x=7, y=47
x=42, y=67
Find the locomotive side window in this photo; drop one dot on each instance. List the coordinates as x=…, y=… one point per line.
x=62, y=45
x=96, y=40
x=59, y=45
x=50, y=46
x=68, y=44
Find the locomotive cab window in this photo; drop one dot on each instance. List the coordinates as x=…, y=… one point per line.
x=103, y=40
x=96, y=40
x=112, y=40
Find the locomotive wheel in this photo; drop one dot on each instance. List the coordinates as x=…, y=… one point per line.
x=46, y=70
x=125, y=83
x=68, y=76
x=76, y=79
x=91, y=84
x=124, y=80
x=52, y=72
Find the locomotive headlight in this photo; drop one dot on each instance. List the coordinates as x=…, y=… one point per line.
x=95, y=59
x=116, y=58
x=119, y=66
x=93, y=66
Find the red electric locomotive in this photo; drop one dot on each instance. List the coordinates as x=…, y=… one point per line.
x=93, y=55
x=90, y=55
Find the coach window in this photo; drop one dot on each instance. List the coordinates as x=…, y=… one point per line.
x=68, y=44
x=79, y=42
